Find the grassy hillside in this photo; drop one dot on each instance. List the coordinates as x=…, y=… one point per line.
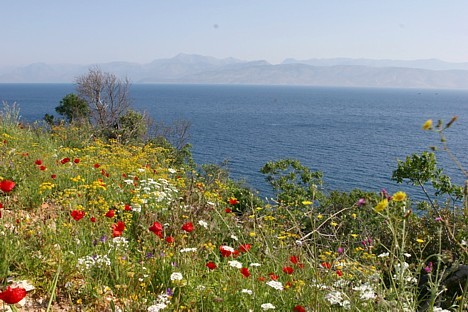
x=88, y=225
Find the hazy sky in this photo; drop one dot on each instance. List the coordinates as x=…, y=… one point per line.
x=95, y=31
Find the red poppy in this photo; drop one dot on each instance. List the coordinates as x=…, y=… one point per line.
x=77, y=214
x=294, y=259
x=118, y=228
x=299, y=308
x=38, y=162
x=92, y=219
x=245, y=247
x=233, y=201
x=245, y=272
x=225, y=251
x=288, y=270
x=227, y=210
x=170, y=239
x=96, y=165
x=53, y=176
x=7, y=186
x=211, y=265
x=157, y=229
x=110, y=213
x=76, y=160
x=261, y=278
x=128, y=207
x=42, y=168
x=188, y=227
x=13, y=295
x=273, y=276
x=339, y=273
x=326, y=265
x=65, y=160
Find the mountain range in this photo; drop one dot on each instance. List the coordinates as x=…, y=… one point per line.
x=197, y=69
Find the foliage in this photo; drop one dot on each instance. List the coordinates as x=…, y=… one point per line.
x=421, y=169
x=293, y=182
x=74, y=109
x=133, y=127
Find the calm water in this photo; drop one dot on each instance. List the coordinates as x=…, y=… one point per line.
x=354, y=136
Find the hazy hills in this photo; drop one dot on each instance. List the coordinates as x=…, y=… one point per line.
x=185, y=68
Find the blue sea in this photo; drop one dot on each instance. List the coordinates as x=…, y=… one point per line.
x=353, y=135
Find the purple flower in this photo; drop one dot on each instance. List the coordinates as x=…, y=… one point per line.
x=169, y=292
x=340, y=250
x=367, y=242
x=428, y=268
x=385, y=194
x=361, y=202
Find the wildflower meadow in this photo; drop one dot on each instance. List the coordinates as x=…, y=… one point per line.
x=88, y=224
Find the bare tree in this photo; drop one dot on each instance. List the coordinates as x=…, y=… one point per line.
x=107, y=96
x=177, y=133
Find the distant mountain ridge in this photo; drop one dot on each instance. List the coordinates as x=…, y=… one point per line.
x=186, y=68
x=431, y=64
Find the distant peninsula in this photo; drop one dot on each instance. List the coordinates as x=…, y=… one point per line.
x=197, y=69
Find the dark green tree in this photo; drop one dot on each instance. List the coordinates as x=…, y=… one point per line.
x=73, y=108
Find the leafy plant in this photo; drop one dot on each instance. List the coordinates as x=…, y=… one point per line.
x=293, y=182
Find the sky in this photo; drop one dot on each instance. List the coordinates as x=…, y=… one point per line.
x=98, y=31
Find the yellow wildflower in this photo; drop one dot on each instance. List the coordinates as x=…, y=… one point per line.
x=307, y=202
x=420, y=240
x=427, y=125
x=382, y=205
x=399, y=196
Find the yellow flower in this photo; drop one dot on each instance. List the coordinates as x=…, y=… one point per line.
x=333, y=224
x=319, y=216
x=420, y=241
x=382, y=205
x=307, y=202
x=427, y=125
x=399, y=196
